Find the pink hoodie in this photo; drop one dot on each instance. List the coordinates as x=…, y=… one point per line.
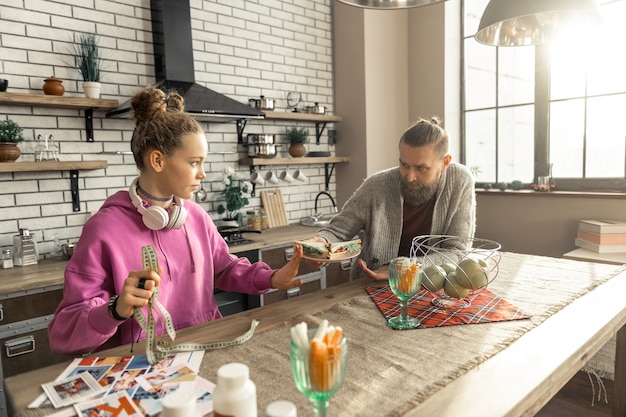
x=194, y=259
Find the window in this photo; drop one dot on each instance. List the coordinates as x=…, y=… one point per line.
x=557, y=109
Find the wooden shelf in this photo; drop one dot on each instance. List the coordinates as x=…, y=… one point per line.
x=51, y=166
x=72, y=166
x=328, y=161
x=320, y=121
x=293, y=161
x=42, y=100
x=80, y=103
x=302, y=117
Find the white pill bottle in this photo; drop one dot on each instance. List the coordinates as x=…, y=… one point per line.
x=235, y=393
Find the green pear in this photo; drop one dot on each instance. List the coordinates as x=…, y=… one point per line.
x=433, y=277
x=452, y=287
x=448, y=267
x=472, y=274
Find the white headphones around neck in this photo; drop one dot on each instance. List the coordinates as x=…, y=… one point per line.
x=155, y=217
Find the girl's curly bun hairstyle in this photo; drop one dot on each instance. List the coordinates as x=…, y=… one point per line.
x=160, y=123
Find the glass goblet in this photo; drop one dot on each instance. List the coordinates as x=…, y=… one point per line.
x=319, y=376
x=294, y=98
x=405, y=281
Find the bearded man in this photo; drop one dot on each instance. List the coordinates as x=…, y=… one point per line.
x=426, y=194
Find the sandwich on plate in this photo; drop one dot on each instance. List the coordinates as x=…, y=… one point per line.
x=326, y=251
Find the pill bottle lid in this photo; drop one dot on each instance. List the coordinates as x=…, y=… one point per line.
x=232, y=375
x=180, y=403
x=281, y=408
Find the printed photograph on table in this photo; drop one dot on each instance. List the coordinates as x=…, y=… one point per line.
x=122, y=375
x=118, y=404
x=73, y=389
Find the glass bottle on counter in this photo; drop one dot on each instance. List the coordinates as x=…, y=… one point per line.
x=263, y=215
x=7, y=259
x=254, y=219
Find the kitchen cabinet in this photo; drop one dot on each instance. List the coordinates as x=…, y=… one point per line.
x=278, y=257
x=29, y=296
x=337, y=273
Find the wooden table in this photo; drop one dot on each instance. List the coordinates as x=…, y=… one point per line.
x=581, y=254
x=517, y=381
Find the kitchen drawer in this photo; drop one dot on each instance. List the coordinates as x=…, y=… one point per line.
x=17, y=307
x=338, y=273
x=278, y=257
x=280, y=295
x=27, y=349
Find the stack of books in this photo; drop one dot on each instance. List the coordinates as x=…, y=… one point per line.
x=602, y=236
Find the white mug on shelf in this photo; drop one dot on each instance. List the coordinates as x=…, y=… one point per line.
x=271, y=177
x=256, y=178
x=285, y=176
x=299, y=175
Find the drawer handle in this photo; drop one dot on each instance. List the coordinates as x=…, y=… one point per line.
x=1, y=313
x=20, y=346
x=346, y=265
x=288, y=254
x=293, y=292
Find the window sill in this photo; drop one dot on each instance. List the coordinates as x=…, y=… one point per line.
x=553, y=194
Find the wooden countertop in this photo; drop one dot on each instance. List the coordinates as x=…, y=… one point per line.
x=49, y=272
x=572, y=334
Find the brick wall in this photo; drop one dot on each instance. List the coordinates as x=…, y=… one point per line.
x=242, y=49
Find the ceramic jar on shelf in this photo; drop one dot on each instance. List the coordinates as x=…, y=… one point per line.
x=53, y=86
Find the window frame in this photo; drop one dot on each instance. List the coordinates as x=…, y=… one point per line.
x=541, y=140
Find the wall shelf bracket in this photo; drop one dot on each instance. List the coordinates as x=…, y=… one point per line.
x=89, y=124
x=241, y=125
x=328, y=172
x=319, y=129
x=74, y=190
x=253, y=192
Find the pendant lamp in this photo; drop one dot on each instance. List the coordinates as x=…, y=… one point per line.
x=531, y=22
x=389, y=4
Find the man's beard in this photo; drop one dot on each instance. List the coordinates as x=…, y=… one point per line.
x=418, y=193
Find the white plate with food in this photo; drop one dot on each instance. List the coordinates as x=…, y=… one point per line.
x=330, y=252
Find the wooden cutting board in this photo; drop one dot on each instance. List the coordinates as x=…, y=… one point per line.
x=274, y=208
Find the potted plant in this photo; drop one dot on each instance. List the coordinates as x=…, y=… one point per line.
x=297, y=137
x=88, y=63
x=10, y=136
x=236, y=192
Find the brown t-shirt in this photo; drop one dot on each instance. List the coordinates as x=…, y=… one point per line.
x=416, y=220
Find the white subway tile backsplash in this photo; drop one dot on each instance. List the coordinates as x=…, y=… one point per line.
x=243, y=49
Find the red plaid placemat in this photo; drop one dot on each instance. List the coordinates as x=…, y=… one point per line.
x=485, y=307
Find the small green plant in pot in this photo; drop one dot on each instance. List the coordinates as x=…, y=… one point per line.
x=297, y=137
x=10, y=136
x=88, y=61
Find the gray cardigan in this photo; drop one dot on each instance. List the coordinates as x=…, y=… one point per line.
x=376, y=209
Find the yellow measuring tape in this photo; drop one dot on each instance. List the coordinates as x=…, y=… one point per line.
x=156, y=351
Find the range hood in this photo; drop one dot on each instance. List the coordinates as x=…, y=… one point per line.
x=174, y=70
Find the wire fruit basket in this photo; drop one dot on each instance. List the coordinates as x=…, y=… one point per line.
x=456, y=268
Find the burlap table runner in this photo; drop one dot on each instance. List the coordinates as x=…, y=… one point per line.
x=391, y=371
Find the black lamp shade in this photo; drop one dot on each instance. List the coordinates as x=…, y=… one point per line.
x=531, y=22
x=389, y=4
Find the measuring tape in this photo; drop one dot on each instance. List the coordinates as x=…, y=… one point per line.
x=156, y=351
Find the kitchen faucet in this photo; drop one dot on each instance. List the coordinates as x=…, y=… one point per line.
x=316, y=215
